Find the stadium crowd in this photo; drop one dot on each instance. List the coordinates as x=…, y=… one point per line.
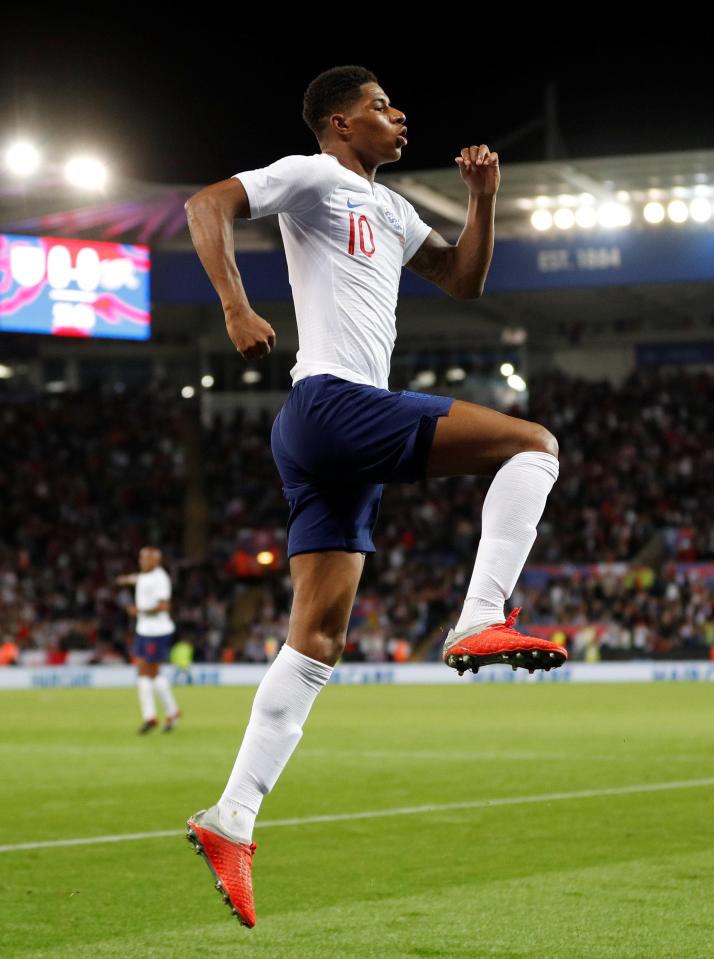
x=89, y=478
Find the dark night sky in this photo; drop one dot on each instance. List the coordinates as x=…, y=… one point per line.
x=198, y=103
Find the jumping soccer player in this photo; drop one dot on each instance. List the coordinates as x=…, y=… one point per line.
x=341, y=433
x=154, y=635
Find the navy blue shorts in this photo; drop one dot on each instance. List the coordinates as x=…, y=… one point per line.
x=335, y=444
x=154, y=649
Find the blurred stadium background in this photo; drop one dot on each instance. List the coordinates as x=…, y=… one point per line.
x=137, y=422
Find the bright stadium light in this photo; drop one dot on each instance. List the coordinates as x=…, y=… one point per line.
x=700, y=210
x=22, y=158
x=653, y=212
x=252, y=376
x=455, y=374
x=5, y=372
x=586, y=216
x=265, y=557
x=677, y=211
x=516, y=382
x=207, y=381
x=541, y=219
x=507, y=369
x=564, y=218
x=612, y=215
x=187, y=392
x=425, y=378
x=86, y=172
x=567, y=199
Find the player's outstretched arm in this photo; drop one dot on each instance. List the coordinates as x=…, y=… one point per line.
x=460, y=270
x=210, y=214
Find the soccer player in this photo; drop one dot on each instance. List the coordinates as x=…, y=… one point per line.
x=341, y=433
x=154, y=635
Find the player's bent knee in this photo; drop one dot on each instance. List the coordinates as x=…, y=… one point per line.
x=543, y=441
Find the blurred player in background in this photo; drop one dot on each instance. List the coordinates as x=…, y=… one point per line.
x=341, y=433
x=154, y=635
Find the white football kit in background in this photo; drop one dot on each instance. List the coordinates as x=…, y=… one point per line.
x=151, y=588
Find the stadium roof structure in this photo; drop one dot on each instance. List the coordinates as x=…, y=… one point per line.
x=131, y=211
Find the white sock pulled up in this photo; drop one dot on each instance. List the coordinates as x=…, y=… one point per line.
x=146, y=698
x=513, y=506
x=163, y=690
x=282, y=703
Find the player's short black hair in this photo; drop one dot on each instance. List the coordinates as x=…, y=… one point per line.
x=334, y=89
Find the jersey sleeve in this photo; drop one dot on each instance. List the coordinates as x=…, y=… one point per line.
x=293, y=184
x=415, y=231
x=162, y=587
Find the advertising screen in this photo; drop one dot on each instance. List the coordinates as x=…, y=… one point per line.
x=74, y=287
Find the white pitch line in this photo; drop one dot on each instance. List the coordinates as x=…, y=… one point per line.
x=384, y=813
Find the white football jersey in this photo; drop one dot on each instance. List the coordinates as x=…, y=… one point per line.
x=346, y=242
x=149, y=590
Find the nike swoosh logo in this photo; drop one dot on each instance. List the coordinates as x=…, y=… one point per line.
x=351, y=206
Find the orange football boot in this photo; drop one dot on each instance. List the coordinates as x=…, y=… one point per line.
x=501, y=644
x=230, y=861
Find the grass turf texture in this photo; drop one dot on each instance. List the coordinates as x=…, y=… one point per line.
x=619, y=876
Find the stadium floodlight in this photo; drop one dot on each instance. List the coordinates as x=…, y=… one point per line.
x=612, y=215
x=567, y=199
x=653, y=212
x=516, y=382
x=507, y=369
x=564, y=218
x=252, y=376
x=541, y=219
x=86, y=172
x=586, y=216
x=207, y=381
x=22, y=158
x=265, y=557
x=700, y=210
x=5, y=372
x=677, y=211
x=187, y=392
x=425, y=378
x=455, y=374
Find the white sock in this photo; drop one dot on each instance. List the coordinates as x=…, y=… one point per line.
x=512, y=508
x=163, y=688
x=146, y=698
x=281, y=706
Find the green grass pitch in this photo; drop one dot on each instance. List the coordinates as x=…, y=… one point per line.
x=624, y=876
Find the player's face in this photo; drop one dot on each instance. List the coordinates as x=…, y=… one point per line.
x=378, y=124
x=147, y=560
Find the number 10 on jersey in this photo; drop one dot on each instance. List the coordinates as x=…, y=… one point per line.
x=363, y=228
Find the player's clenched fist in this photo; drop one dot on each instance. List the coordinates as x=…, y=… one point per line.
x=479, y=170
x=251, y=335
